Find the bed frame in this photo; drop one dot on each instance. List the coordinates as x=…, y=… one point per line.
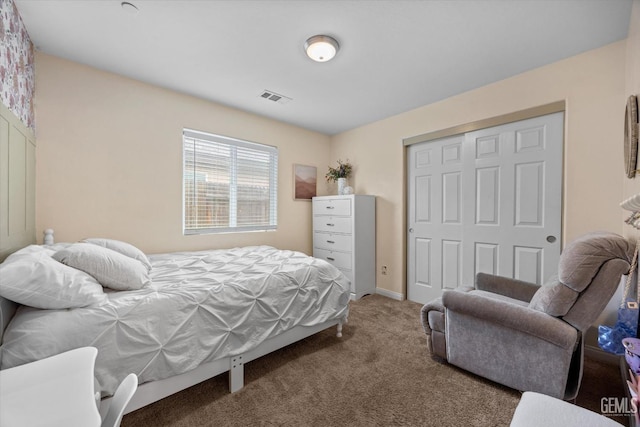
x=155, y=390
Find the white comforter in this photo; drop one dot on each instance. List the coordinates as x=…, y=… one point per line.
x=201, y=306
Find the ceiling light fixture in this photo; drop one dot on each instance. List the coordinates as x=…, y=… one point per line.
x=129, y=7
x=321, y=48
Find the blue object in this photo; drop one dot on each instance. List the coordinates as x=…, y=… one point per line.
x=610, y=338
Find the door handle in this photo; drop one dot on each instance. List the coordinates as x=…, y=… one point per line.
x=330, y=225
x=331, y=259
x=330, y=241
x=330, y=207
x=551, y=239
x=411, y=230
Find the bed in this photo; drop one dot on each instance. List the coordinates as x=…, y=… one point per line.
x=192, y=316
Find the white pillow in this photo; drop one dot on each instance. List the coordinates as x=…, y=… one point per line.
x=31, y=277
x=110, y=268
x=122, y=247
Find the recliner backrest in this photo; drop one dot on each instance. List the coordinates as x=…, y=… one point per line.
x=589, y=272
x=581, y=260
x=594, y=299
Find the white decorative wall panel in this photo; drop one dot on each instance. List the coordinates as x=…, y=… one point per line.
x=530, y=139
x=451, y=154
x=529, y=194
x=488, y=147
x=488, y=196
x=451, y=263
x=486, y=258
x=527, y=264
x=423, y=158
x=423, y=261
x=452, y=198
x=423, y=198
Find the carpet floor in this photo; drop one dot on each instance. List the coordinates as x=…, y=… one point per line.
x=377, y=374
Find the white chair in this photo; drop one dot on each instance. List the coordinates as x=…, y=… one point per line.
x=119, y=401
x=540, y=410
x=56, y=391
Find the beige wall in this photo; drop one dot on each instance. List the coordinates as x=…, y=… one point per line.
x=592, y=85
x=109, y=160
x=632, y=87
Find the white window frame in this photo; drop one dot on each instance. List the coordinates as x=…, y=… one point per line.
x=233, y=144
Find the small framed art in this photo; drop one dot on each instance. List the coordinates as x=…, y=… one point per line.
x=304, y=182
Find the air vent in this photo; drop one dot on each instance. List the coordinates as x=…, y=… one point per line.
x=275, y=97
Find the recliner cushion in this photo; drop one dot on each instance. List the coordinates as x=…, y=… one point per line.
x=553, y=298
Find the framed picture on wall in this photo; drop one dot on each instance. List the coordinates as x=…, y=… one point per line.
x=304, y=182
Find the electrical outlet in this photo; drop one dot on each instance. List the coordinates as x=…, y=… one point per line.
x=384, y=270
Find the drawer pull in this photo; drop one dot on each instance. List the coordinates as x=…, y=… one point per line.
x=330, y=241
x=330, y=207
x=331, y=259
x=330, y=225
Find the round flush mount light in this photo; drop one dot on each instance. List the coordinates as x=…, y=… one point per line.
x=321, y=48
x=130, y=8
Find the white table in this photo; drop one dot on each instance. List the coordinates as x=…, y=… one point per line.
x=56, y=391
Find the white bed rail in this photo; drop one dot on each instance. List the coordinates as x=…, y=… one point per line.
x=153, y=391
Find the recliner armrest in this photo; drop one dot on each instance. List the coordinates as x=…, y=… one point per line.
x=513, y=316
x=508, y=287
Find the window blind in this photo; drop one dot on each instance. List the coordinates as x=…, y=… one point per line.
x=228, y=184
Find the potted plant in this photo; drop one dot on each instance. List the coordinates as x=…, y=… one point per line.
x=339, y=174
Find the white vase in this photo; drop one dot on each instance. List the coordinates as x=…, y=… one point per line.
x=342, y=182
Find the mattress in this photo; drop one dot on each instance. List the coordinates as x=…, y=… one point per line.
x=200, y=306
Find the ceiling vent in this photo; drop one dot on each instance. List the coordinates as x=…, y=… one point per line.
x=275, y=97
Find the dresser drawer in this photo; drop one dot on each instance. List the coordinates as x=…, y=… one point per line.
x=341, y=242
x=341, y=260
x=332, y=207
x=332, y=223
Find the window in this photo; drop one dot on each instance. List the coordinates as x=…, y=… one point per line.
x=228, y=184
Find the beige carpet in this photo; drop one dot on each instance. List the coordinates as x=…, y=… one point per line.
x=377, y=374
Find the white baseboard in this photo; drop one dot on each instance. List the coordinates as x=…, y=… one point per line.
x=390, y=294
x=600, y=355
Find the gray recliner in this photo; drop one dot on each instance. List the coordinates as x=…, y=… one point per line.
x=525, y=336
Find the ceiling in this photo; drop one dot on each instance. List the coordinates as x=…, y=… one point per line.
x=394, y=55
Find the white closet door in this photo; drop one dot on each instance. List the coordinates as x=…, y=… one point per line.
x=486, y=201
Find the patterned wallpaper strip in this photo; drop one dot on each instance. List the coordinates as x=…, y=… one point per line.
x=17, y=80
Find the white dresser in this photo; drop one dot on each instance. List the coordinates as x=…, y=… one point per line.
x=344, y=234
